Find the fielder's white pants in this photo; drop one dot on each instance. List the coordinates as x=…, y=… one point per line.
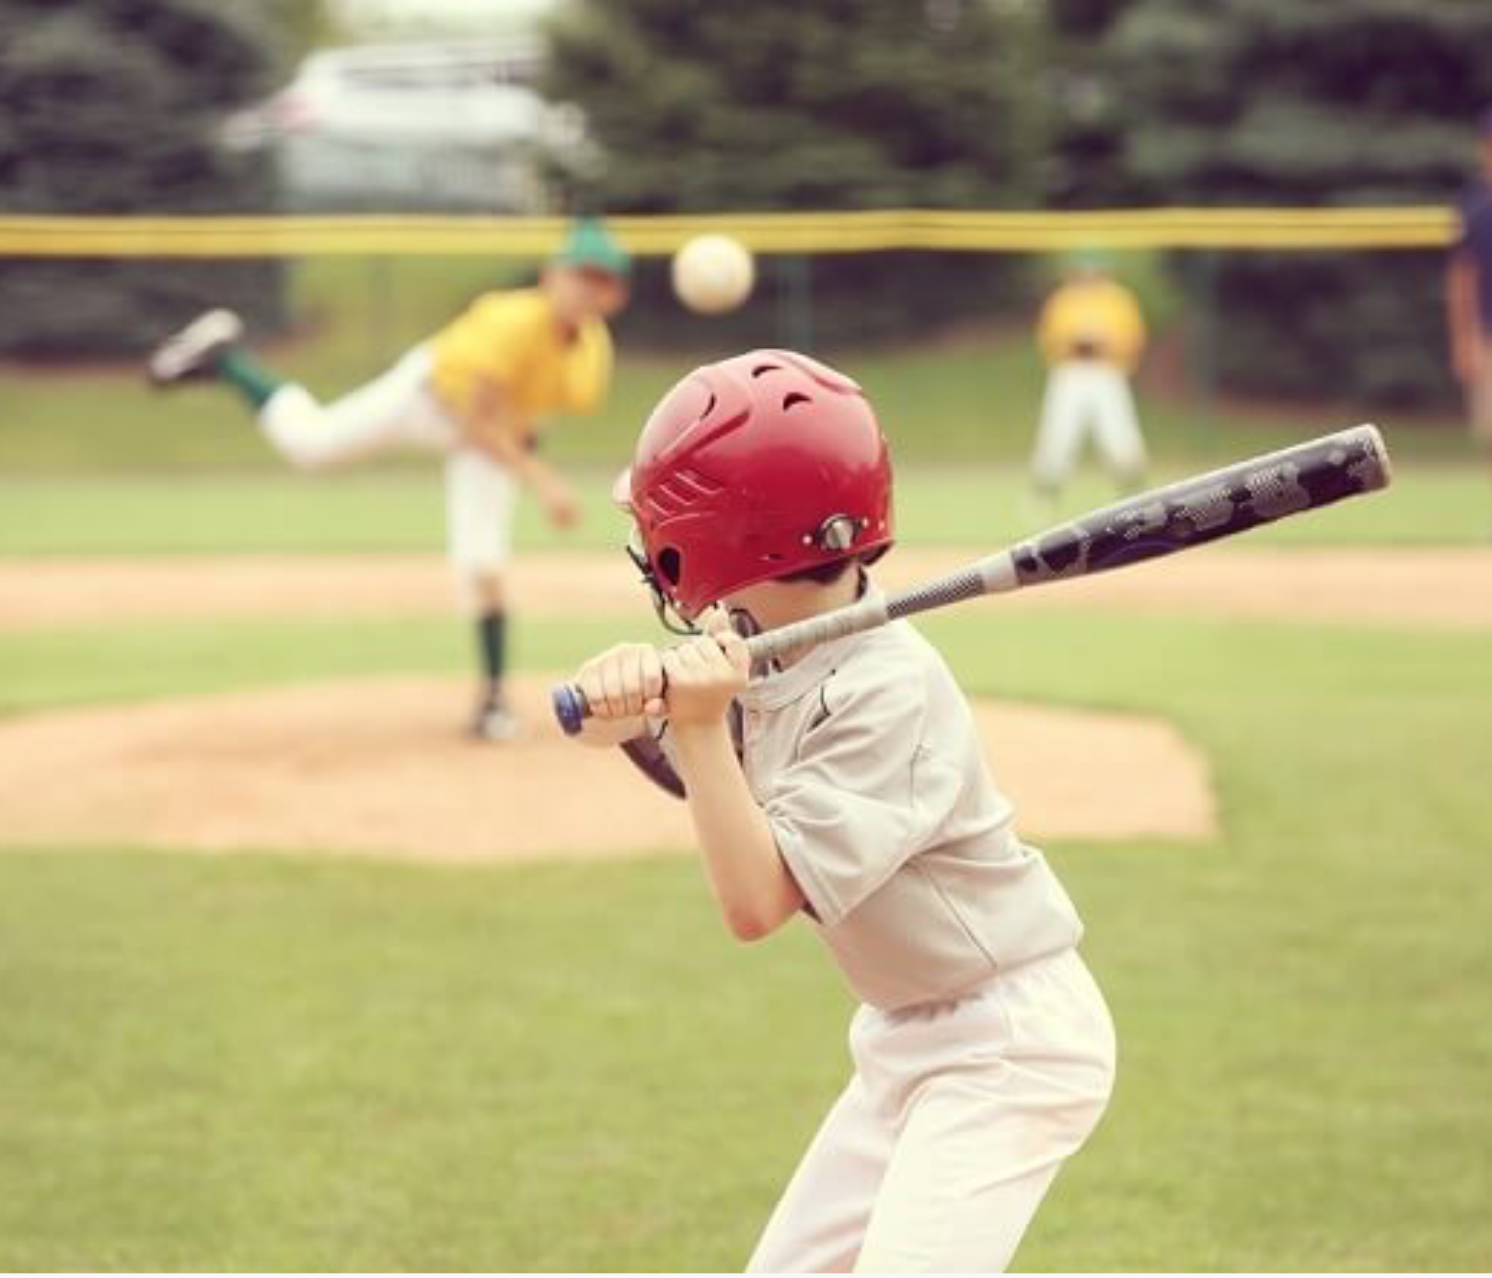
x=957, y=1119
x=399, y=410
x=1083, y=397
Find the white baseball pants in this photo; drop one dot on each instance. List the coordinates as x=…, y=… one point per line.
x=398, y=409
x=958, y=1117
x=1087, y=396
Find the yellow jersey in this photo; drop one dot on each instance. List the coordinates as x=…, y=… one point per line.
x=1092, y=319
x=514, y=339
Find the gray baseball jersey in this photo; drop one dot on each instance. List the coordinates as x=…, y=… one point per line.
x=865, y=758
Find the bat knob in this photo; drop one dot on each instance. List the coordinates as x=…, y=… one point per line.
x=570, y=708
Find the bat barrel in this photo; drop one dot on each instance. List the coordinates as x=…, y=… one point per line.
x=1208, y=507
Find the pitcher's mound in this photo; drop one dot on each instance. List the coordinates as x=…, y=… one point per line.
x=379, y=767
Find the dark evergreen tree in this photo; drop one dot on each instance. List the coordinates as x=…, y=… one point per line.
x=1261, y=102
x=1085, y=167
x=839, y=104
x=111, y=107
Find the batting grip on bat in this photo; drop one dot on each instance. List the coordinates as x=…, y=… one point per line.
x=1190, y=512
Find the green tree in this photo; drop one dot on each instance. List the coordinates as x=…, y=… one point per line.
x=1085, y=168
x=839, y=104
x=111, y=107
x=1261, y=102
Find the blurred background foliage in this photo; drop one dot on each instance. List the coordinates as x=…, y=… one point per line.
x=116, y=106
x=1068, y=104
x=112, y=106
x=699, y=107
x=1252, y=102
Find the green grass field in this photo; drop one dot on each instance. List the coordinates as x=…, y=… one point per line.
x=404, y=510
x=268, y=1063
x=294, y=1062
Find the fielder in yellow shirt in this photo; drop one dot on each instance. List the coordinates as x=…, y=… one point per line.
x=1091, y=334
x=478, y=392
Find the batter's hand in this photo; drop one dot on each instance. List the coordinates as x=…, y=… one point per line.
x=706, y=674
x=624, y=682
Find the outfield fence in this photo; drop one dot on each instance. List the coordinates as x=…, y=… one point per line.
x=1267, y=229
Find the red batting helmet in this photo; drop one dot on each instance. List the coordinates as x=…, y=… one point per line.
x=754, y=468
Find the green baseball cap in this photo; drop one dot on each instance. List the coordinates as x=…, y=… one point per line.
x=590, y=246
x=1087, y=261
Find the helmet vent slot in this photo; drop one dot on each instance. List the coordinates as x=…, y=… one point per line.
x=708, y=408
x=796, y=397
x=765, y=368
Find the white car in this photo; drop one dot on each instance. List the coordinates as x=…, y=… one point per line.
x=413, y=126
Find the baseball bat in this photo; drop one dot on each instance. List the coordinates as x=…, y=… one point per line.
x=1178, y=516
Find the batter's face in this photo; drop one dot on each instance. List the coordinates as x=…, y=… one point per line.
x=779, y=603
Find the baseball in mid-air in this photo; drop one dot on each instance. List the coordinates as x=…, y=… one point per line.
x=713, y=274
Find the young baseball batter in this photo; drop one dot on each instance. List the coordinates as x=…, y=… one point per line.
x=848, y=788
x=478, y=392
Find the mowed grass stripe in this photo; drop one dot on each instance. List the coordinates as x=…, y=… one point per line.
x=402, y=509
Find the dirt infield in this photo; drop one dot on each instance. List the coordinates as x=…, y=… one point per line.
x=1430, y=587
x=376, y=767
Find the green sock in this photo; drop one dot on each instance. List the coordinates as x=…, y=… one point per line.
x=244, y=373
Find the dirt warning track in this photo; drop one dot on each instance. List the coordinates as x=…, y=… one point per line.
x=1449, y=588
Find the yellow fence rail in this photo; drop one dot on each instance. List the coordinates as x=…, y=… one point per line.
x=1410, y=227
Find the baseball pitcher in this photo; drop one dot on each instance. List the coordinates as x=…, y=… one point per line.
x=477, y=392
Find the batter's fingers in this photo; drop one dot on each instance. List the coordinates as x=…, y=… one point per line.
x=614, y=685
x=717, y=650
x=652, y=682
x=639, y=684
x=589, y=691
x=589, y=683
x=686, y=666
x=734, y=649
x=705, y=651
x=591, y=678
x=673, y=670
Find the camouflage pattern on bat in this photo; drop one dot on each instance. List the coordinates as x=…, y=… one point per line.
x=1208, y=507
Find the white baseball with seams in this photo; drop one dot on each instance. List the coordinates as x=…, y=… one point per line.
x=713, y=274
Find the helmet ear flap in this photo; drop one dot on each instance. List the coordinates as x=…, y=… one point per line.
x=668, y=611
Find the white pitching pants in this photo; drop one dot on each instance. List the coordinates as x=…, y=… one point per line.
x=398, y=409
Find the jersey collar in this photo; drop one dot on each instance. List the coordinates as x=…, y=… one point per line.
x=782, y=688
